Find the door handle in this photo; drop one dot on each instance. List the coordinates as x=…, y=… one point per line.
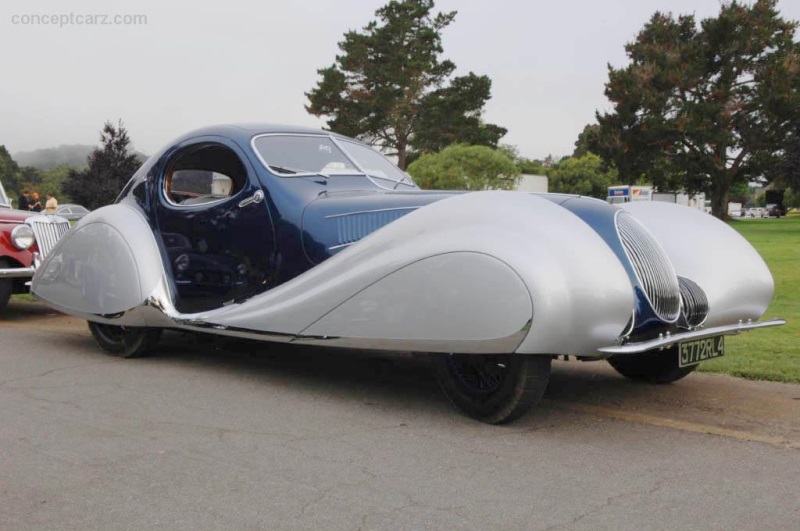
x=255, y=198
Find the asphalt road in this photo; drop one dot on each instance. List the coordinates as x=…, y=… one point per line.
x=252, y=436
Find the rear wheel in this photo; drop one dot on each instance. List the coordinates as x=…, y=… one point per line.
x=125, y=341
x=492, y=388
x=658, y=368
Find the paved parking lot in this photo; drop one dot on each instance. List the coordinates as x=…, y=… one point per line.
x=252, y=436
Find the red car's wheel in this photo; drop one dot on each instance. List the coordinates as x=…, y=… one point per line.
x=6, y=286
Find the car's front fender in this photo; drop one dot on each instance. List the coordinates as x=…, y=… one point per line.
x=734, y=277
x=481, y=266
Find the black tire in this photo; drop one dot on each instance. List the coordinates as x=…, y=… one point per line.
x=125, y=341
x=6, y=289
x=657, y=368
x=492, y=388
x=6, y=286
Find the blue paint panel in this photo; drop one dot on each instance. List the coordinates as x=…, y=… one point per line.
x=600, y=216
x=313, y=217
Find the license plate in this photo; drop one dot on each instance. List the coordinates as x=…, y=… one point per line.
x=697, y=350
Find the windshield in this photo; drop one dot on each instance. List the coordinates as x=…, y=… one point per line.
x=293, y=154
x=372, y=162
x=289, y=155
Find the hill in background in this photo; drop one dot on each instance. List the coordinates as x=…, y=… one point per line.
x=73, y=156
x=48, y=158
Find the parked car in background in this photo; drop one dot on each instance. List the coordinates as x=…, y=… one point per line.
x=773, y=211
x=296, y=235
x=71, y=212
x=25, y=238
x=755, y=212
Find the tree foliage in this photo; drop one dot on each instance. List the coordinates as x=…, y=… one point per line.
x=462, y=167
x=389, y=86
x=790, y=176
x=584, y=175
x=586, y=139
x=109, y=167
x=524, y=165
x=9, y=172
x=705, y=107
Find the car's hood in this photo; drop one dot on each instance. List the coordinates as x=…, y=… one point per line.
x=334, y=221
x=14, y=216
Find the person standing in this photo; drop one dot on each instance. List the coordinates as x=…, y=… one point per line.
x=51, y=205
x=35, y=204
x=24, y=201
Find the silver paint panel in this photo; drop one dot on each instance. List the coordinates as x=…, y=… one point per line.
x=523, y=274
x=442, y=298
x=702, y=248
x=579, y=305
x=107, y=264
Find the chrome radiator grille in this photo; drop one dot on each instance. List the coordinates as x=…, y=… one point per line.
x=695, y=302
x=47, y=232
x=652, y=266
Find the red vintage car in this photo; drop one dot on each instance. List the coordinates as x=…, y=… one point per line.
x=25, y=238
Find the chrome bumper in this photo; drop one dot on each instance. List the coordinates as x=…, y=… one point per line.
x=17, y=272
x=22, y=272
x=668, y=340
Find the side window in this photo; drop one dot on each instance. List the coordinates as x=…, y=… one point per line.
x=205, y=174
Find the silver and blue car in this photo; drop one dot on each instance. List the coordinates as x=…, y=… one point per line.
x=297, y=235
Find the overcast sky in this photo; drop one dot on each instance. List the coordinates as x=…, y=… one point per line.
x=198, y=63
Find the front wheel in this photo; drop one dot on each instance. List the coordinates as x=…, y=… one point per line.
x=492, y=388
x=6, y=289
x=658, y=368
x=125, y=341
x=6, y=286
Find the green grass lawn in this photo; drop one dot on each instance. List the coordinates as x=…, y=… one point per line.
x=774, y=353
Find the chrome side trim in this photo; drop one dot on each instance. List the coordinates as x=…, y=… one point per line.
x=500, y=345
x=668, y=340
x=158, y=311
x=332, y=216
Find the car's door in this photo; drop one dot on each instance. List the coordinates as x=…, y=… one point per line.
x=215, y=226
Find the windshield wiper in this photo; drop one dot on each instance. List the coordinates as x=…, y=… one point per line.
x=292, y=171
x=401, y=181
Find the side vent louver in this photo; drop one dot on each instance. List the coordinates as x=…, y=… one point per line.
x=353, y=227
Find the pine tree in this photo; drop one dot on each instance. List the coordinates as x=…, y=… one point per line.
x=110, y=166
